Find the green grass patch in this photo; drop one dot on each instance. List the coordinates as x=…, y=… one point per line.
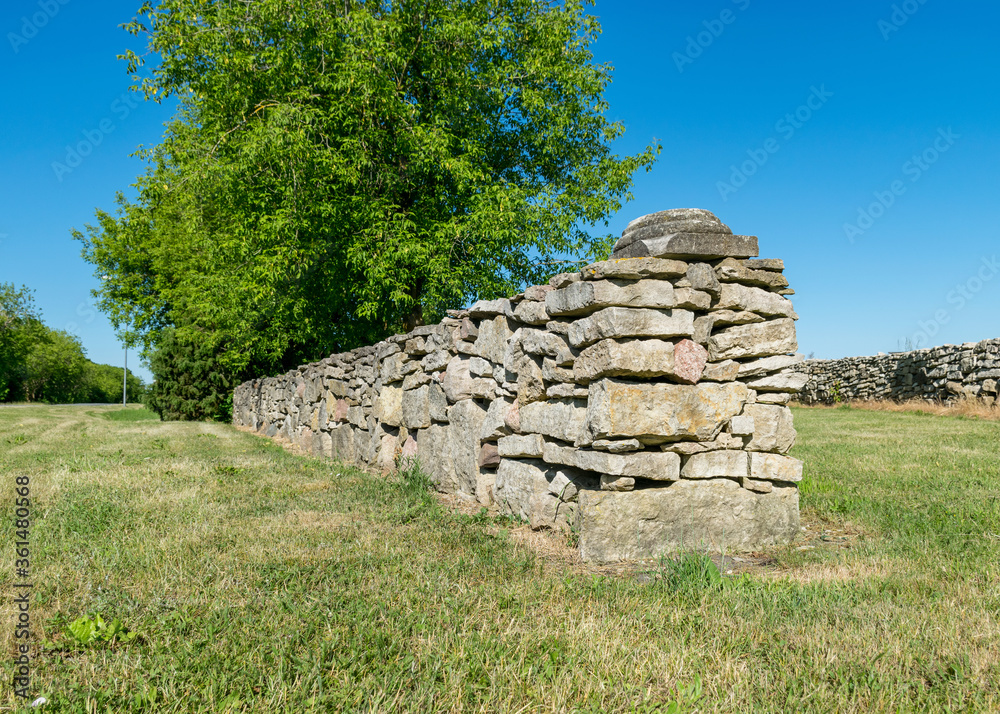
x=129, y=414
x=259, y=581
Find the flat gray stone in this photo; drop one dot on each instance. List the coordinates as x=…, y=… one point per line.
x=541, y=342
x=412, y=381
x=565, y=390
x=491, y=344
x=417, y=408
x=617, y=322
x=775, y=467
x=617, y=446
x=389, y=406
x=702, y=277
x=726, y=371
x=618, y=409
x=691, y=299
x=531, y=312
x=687, y=448
x=757, y=486
x=493, y=426
x=733, y=317
x=539, y=493
x=742, y=425
x=687, y=246
x=714, y=514
x=516, y=484
x=773, y=264
x=466, y=420
x=342, y=444
x=734, y=296
x=438, y=403
x=773, y=428
x=731, y=270
x=588, y=295
x=537, y=292
x=524, y=446
x=564, y=419
x=530, y=380
x=617, y=483
x=717, y=464
x=552, y=372
x=563, y=279
x=644, y=359
x=491, y=308
x=790, y=382
x=634, y=269
x=774, y=337
x=459, y=384
x=779, y=398
x=767, y=365
x=653, y=465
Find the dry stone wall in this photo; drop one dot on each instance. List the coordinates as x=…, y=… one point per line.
x=943, y=373
x=639, y=402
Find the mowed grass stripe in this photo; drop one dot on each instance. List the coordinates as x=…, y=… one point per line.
x=263, y=581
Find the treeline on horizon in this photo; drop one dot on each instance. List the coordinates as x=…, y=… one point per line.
x=39, y=364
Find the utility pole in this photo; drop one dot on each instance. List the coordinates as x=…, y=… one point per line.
x=125, y=380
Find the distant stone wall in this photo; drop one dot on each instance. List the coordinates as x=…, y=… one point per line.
x=639, y=402
x=941, y=374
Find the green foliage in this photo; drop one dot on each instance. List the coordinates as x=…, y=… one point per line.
x=86, y=632
x=39, y=364
x=103, y=385
x=19, y=324
x=338, y=172
x=190, y=383
x=55, y=368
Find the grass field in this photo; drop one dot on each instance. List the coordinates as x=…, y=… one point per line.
x=258, y=580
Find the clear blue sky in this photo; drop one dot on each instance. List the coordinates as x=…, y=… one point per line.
x=784, y=118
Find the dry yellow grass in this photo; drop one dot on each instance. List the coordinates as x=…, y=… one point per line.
x=968, y=408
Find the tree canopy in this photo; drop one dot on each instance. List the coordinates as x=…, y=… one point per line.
x=341, y=171
x=39, y=364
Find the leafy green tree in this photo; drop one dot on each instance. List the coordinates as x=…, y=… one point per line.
x=341, y=171
x=102, y=384
x=20, y=325
x=56, y=365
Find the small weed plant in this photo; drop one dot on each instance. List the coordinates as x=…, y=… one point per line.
x=96, y=632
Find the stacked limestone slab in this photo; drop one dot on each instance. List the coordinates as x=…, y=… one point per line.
x=639, y=402
x=946, y=373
